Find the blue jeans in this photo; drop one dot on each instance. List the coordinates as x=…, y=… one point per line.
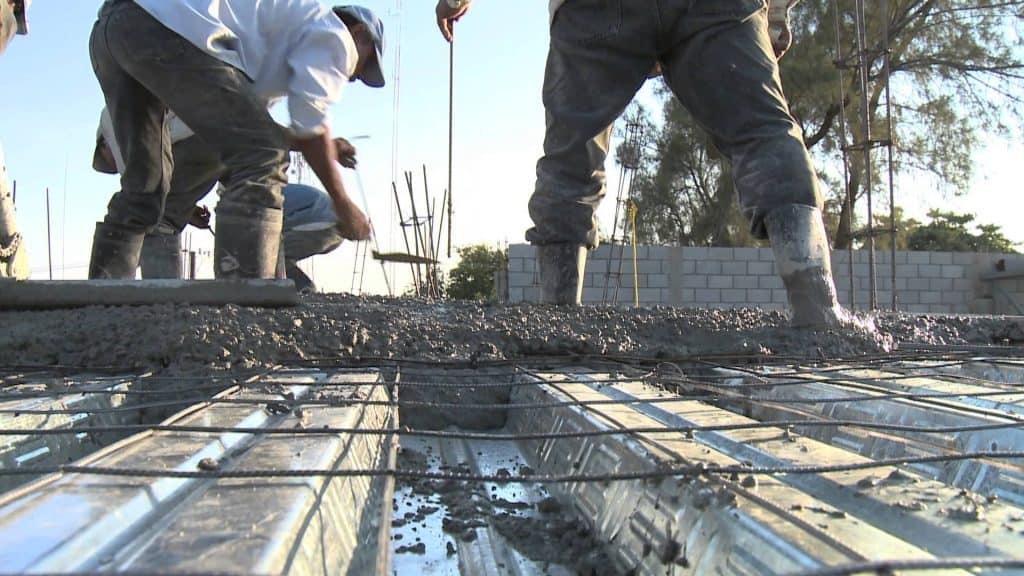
x=717, y=58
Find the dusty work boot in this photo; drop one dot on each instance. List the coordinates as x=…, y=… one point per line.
x=561, y=273
x=161, y=256
x=803, y=259
x=115, y=253
x=248, y=241
x=303, y=283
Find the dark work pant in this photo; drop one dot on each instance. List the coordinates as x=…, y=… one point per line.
x=717, y=59
x=145, y=69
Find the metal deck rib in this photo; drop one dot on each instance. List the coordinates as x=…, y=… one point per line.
x=271, y=525
x=867, y=393
x=556, y=470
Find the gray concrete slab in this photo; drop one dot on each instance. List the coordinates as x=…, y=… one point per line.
x=50, y=295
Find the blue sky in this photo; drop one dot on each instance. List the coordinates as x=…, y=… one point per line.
x=51, y=104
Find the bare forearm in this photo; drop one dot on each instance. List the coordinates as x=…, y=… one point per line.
x=322, y=157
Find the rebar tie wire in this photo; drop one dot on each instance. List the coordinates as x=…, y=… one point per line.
x=662, y=472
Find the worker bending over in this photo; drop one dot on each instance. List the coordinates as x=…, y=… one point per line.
x=218, y=64
x=309, y=224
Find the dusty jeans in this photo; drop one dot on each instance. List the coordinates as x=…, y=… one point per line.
x=197, y=168
x=717, y=59
x=144, y=69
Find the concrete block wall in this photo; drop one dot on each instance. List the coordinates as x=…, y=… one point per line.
x=936, y=282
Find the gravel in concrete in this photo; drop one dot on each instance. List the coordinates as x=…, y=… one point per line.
x=198, y=338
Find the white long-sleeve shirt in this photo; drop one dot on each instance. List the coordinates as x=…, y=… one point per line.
x=294, y=49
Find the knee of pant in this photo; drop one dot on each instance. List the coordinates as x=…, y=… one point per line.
x=770, y=176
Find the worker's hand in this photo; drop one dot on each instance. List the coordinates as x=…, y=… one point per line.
x=656, y=71
x=778, y=27
x=448, y=16
x=346, y=153
x=200, y=217
x=352, y=223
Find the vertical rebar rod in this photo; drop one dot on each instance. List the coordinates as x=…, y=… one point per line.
x=890, y=143
x=864, y=73
x=441, y=222
x=615, y=230
x=848, y=200
x=49, y=247
x=417, y=233
x=405, y=237
x=432, y=254
x=451, y=131
x=373, y=243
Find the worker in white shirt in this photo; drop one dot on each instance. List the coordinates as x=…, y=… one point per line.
x=309, y=223
x=720, y=58
x=13, y=256
x=217, y=64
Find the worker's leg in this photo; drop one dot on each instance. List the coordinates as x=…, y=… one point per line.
x=138, y=118
x=219, y=104
x=724, y=71
x=13, y=255
x=601, y=52
x=161, y=254
x=197, y=168
x=302, y=244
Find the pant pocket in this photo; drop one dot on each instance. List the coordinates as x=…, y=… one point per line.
x=588, y=21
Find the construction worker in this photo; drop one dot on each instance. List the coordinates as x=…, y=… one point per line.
x=13, y=256
x=309, y=223
x=720, y=58
x=218, y=64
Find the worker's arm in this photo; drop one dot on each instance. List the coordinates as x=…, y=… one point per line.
x=319, y=152
x=448, y=13
x=343, y=149
x=320, y=63
x=778, y=25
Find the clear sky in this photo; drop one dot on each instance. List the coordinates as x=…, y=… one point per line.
x=51, y=104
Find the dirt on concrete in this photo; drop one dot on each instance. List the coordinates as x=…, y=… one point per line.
x=198, y=338
x=552, y=536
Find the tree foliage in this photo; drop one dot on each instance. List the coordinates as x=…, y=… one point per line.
x=957, y=73
x=949, y=232
x=473, y=277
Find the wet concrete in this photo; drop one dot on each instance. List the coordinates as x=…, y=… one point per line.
x=188, y=339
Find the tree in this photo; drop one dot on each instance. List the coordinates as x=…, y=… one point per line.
x=473, y=277
x=957, y=72
x=683, y=188
x=948, y=232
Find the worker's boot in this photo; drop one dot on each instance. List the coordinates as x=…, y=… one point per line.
x=115, y=253
x=161, y=256
x=561, y=273
x=248, y=241
x=303, y=283
x=803, y=259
